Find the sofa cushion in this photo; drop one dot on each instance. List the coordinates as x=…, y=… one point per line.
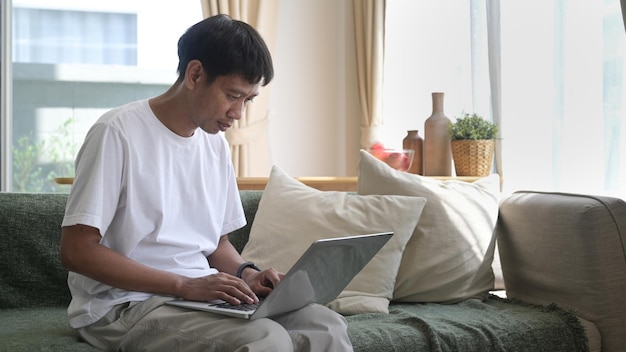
x=250, y=201
x=30, y=229
x=292, y=215
x=42, y=329
x=450, y=254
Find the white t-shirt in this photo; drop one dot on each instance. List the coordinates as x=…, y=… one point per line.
x=156, y=197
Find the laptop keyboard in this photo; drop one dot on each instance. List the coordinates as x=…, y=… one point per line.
x=242, y=307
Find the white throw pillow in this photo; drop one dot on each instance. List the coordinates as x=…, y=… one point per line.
x=292, y=215
x=449, y=256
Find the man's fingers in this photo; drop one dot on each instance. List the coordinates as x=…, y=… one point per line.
x=219, y=286
x=236, y=291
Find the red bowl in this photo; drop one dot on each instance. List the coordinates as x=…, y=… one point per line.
x=399, y=159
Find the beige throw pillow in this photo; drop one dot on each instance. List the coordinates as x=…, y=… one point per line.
x=450, y=254
x=292, y=215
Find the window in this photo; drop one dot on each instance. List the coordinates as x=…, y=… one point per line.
x=74, y=37
x=563, y=121
x=70, y=62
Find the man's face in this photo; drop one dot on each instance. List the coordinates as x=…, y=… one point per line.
x=215, y=106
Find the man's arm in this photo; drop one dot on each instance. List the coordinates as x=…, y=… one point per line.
x=82, y=253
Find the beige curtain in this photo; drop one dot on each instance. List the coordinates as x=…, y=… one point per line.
x=248, y=139
x=369, y=28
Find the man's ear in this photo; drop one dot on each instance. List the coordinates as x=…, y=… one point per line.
x=193, y=74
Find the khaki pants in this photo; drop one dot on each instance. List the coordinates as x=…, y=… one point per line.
x=153, y=326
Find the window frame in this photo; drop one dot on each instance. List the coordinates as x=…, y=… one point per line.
x=6, y=96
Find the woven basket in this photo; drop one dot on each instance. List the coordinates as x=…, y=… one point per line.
x=472, y=157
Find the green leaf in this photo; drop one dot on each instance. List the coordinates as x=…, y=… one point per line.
x=472, y=127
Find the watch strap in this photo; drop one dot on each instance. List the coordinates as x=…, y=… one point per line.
x=245, y=265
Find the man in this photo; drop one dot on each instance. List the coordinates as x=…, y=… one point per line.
x=153, y=198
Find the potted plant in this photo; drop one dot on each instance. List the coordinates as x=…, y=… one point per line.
x=472, y=140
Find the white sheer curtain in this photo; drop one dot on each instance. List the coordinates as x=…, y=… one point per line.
x=564, y=120
x=550, y=73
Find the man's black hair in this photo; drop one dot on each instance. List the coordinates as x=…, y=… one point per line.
x=225, y=46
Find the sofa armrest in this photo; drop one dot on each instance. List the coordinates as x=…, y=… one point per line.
x=569, y=250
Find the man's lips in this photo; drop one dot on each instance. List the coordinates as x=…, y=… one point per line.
x=223, y=126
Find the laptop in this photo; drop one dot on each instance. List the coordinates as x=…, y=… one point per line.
x=319, y=276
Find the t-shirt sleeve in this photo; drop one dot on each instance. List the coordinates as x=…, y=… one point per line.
x=234, y=217
x=95, y=193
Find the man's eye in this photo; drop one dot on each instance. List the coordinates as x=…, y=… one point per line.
x=249, y=100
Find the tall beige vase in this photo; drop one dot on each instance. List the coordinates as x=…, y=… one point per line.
x=437, y=154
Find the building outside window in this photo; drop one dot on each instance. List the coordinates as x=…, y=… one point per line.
x=70, y=62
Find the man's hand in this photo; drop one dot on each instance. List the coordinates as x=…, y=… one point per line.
x=230, y=288
x=262, y=282
x=222, y=286
x=226, y=259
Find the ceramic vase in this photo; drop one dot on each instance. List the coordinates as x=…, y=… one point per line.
x=437, y=155
x=415, y=142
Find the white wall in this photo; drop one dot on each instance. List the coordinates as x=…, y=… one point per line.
x=314, y=118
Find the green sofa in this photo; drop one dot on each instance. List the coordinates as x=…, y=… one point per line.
x=563, y=259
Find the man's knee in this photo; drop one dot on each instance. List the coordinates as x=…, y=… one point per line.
x=264, y=335
x=317, y=328
x=320, y=317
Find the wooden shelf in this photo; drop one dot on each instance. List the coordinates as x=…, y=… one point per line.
x=64, y=180
x=347, y=184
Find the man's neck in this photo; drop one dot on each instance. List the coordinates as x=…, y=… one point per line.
x=170, y=110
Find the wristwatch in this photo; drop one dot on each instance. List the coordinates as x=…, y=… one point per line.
x=245, y=265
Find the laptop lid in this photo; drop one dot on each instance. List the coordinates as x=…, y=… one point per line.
x=319, y=276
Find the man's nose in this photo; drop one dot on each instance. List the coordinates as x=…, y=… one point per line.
x=237, y=111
